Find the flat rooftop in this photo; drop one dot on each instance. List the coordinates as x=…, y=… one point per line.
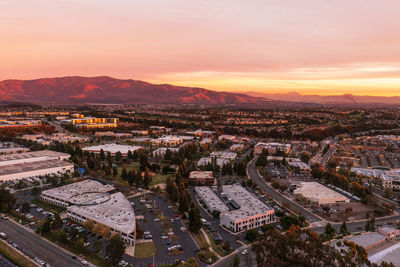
x=249, y=204
x=116, y=213
x=390, y=254
x=315, y=191
x=213, y=201
x=366, y=240
x=77, y=193
x=32, y=166
x=32, y=154
x=112, y=148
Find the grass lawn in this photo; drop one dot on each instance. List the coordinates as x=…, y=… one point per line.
x=131, y=166
x=159, y=178
x=14, y=256
x=200, y=240
x=144, y=250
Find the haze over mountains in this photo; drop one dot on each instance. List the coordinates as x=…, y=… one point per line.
x=346, y=99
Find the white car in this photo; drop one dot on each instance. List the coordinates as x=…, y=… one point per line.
x=244, y=252
x=146, y=233
x=170, y=207
x=156, y=220
x=85, y=263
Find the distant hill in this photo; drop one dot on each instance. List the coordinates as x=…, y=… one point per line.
x=345, y=99
x=109, y=90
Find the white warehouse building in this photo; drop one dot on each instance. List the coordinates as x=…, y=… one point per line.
x=34, y=164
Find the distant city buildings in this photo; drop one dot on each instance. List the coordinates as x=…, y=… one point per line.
x=91, y=122
x=272, y=148
x=112, y=148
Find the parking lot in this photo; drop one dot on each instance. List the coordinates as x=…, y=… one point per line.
x=162, y=241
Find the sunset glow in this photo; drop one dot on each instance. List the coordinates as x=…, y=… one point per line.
x=311, y=47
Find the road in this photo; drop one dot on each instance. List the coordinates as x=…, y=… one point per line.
x=360, y=225
x=4, y=262
x=255, y=176
x=36, y=246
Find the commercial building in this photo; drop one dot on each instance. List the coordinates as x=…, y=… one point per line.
x=34, y=164
x=368, y=240
x=272, y=148
x=202, y=178
x=388, y=255
x=81, y=193
x=201, y=132
x=390, y=177
x=319, y=194
x=112, y=148
x=91, y=200
x=114, y=212
x=163, y=150
x=249, y=211
x=223, y=155
x=91, y=122
x=210, y=199
x=169, y=140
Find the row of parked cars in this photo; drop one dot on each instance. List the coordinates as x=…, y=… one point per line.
x=15, y=245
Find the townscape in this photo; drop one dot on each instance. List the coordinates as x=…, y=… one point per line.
x=198, y=185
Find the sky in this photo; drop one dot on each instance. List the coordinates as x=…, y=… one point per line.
x=272, y=46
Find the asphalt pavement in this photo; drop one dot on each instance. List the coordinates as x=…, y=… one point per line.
x=36, y=246
x=155, y=228
x=255, y=176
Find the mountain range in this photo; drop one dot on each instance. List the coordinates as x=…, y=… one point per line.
x=110, y=90
x=107, y=90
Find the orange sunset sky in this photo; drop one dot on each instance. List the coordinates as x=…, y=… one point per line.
x=311, y=47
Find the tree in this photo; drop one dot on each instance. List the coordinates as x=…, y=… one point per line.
x=262, y=160
x=115, y=171
x=183, y=202
x=303, y=247
x=115, y=249
x=118, y=156
x=25, y=207
x=57, y=223
x=236, y=261
x=252, y=235
x=343, y=229
x=147, y=177
x=102, y=155
x=329, y=230
x=124, y=174
x=7, y=200
x=194, y=219
x=288, y=221
x=372, y=224
x=227, y=246
x=89, y=224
